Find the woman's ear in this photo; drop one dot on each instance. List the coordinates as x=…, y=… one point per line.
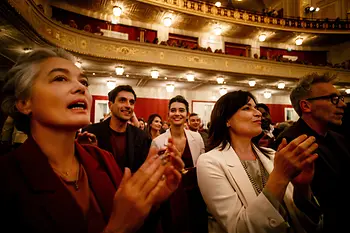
x=24, y=106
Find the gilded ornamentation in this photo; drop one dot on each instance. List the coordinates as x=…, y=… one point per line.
x=237, y=15
x=245, y=16
x=274, y=21
x=259, y=18
x=197, y=60
x=161, y=55
x=282, y=22
x=83, y=44
x=253, y=18
x=266, y=20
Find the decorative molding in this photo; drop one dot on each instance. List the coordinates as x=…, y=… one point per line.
x=85, y=43
x=203, y=9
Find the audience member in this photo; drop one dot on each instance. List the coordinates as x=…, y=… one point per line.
x=141, y=123
x=165, y=127
x=188, y=210
x=51, y=183
x=248, y=189
x=128, y=144
x=320, y=105
x=267, y=137
x=194, y=123
x=154, y=124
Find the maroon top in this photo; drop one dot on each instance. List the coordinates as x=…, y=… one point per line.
x=34, y=199
x=118, y=142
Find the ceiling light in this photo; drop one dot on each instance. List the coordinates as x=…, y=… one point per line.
x=317, y=9
x=299, y=41
x=93, y=73
x=347, y=91
x=154, y=74
x=281, y=85
x=167, y=21
x=223, y=91
x=262, y=37
x=170, y=87
x=267, y=94
x=117, y=11
x=27, y=50
x=78, y=64
x=111, y=84
x=252, y=83
x=218, y=4
x=190, y=77
x=312, y=9
x=119, y=70
x=218, y=30
x=220, y=80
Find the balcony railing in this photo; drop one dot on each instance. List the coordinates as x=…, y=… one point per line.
x=251, y=18
x=85, y=43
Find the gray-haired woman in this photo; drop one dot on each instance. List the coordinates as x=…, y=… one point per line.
x=53, y=184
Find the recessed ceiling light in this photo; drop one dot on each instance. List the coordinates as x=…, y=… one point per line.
x=127, y=76
x=154, y=74
x=111, y=84
x=93, y=73
x=299, y=41
x=267, y=94
x=347, y=91
x=262, y=37
x=281, y=85
x=168, y=21
x=251, y=83
x=190, y=77
x=218, y=4
x=170, y=87
x=119, y=70
x=220, y=80
x=117, y=11
x=223, y=91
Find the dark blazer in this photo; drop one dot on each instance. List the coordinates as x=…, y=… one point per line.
x=330, y=183
x=137, y=142
x=33, y=199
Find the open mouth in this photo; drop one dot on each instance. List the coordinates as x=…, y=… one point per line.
x=80, y=105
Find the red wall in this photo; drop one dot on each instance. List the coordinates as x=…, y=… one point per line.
x=143, y=107
x=277, y=111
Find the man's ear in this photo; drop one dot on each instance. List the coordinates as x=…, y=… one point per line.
x=305, y=106
x=109, y=105
x=24, y=106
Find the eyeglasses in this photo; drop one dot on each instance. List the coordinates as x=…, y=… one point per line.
x=333, y=97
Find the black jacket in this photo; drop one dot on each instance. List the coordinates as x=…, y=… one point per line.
x=137, y=142
x=331, y=178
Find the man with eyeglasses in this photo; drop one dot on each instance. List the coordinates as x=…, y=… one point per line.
x=320, y=105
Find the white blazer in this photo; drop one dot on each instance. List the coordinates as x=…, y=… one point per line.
x=194, y=139
x=231, y=198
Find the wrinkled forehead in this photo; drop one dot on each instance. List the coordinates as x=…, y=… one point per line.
x=321, y=89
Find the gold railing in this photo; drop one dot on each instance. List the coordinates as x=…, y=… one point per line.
x=85, y=43
x=248, y=18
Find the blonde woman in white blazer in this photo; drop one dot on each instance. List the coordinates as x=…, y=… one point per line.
x=188, y=209
x=255, y=190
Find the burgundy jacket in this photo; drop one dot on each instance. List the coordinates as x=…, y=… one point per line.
x=33, y=199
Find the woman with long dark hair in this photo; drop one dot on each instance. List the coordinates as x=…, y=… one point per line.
x=250, y=189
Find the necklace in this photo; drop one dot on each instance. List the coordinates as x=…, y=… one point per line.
x=263, y=175
x=65, y=174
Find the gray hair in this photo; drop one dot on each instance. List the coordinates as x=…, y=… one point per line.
x=303, y=88
x=19, y=80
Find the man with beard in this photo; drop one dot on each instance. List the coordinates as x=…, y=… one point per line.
x=128, y=144
x=320, y=105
